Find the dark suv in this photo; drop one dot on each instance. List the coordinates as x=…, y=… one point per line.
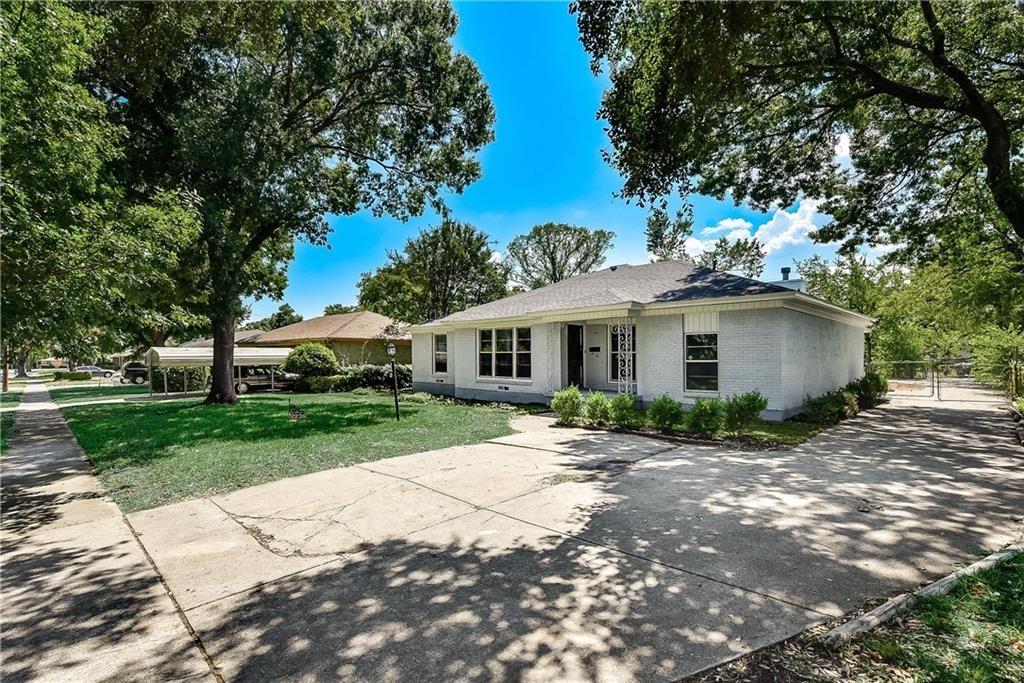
x=134, y=372
x=258, y=377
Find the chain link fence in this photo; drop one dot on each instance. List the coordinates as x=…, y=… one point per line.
x=957, y=379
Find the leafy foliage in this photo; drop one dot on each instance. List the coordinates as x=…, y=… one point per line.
x=869, y=389
x=598, y=408
x=666, y=237
x=568, y=405
x=311, y=359
x=665, y=413
x=553, y=252
x=284, y=315
x=335, y=309
x=276, y=115
x=752, y=99
x=832, y=407
x=442, y=270
x=625, y=413
x=742, y=409
x=352, y=377
x=745, y=255
x=707, y=417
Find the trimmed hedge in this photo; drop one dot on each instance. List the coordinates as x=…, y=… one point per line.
x=568, y=405
x=311, y=360
x=707, y=417
x=599, y=408
x=625, y=412
x=71, y=376
x=835, y=406
x=665, y=413
x=742, y=409
x=352, y=377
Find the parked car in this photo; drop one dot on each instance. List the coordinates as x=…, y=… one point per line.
x=94, y=370
x=258, y=377
x=134, y=372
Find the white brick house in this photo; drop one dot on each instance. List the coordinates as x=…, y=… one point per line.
x=684, y=331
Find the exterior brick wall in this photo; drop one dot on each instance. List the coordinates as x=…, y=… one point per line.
x=819, y=355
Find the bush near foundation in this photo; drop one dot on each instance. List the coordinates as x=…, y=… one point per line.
x=311, y=360
x=707, y=416
x=624, y=412
x=870, y=389
x=665, y=414
x=568, y=405
x=352, y=377
x=742, y=409
x=598, y=408
x=831, y=408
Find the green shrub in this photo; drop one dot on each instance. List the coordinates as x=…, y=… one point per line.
x=71, y=376
x=598, y=408
x=832, y=407
x=870, y=389
x=568, y=404
x=311, y=360
x=365, y=391
x=707, y=416
x=418, y=397
x=1019, y=405
x=741, y=409
x=665, y=413
x=317, y=385
x=624, y=412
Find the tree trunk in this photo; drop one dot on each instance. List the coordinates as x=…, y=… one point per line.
x=222, y=390
x=6, y=386
x=22, y=365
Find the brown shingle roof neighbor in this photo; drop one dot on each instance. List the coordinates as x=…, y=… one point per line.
x=645, y=284
x=359, y=325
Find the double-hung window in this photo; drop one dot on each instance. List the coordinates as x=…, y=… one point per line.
x=613, y=356
x=504, y=352
x=440, y=354
x=702, y=362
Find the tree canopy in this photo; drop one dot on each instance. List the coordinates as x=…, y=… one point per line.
x=555, y=251
x=666, y=237
x=335, y=309
x=440, y=271
x=752, y=100
x=745, y=255
x=275, y=115
x=284, y=315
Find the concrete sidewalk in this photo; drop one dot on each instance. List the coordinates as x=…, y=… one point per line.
x=80, y=599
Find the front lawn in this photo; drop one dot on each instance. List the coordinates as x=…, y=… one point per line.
x=976, y=633
x=787, y=433
x=95, y=392
x=150, y=454
x=9, y=399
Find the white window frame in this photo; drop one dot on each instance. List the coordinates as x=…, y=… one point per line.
x=494, y=351
x=611, y=365
x=434, y=352
x=686, y=365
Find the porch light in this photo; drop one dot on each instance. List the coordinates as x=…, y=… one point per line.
x=391, y=350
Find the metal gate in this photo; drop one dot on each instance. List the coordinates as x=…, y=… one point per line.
x=947, y=380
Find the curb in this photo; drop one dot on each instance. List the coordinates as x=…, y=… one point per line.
x=844, y=633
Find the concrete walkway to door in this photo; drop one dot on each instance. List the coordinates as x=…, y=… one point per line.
x=565, y=554
x=79, y=599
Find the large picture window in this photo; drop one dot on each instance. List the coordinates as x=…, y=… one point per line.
x=440, y=354
x=702, y=362
x=613, y=356
x=505, y=352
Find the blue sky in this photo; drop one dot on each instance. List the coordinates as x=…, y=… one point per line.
x=544, y=165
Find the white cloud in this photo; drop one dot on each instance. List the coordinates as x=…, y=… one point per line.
x=729, y=225
x=789, y=228
x=782, y=229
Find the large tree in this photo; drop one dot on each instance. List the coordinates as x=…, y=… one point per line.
x=284, y=315
x=440, y=271
x=555, y=251
x=745, y=255
x=336, y=309
x=273, y=115
x=752, y=99
x=666, y=237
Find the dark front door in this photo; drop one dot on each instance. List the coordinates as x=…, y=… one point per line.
x=575, y=343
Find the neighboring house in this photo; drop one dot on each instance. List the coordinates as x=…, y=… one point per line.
x=354, y=337
x=661, y=328
x=242, y=338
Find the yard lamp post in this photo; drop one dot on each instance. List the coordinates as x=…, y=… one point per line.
x=394, y=376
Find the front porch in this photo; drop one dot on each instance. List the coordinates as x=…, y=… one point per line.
x=599, y=355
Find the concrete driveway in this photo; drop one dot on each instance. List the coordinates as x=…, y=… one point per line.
x=578, y=555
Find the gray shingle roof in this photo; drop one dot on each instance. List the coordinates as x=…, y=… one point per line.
x=666, y=281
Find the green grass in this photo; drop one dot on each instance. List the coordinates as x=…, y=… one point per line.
x=91, y=392
x=789, y=433
x=9, y=399
x=150, y=454
x=975, y=633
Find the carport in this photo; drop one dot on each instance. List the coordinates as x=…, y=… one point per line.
x=164, y=357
